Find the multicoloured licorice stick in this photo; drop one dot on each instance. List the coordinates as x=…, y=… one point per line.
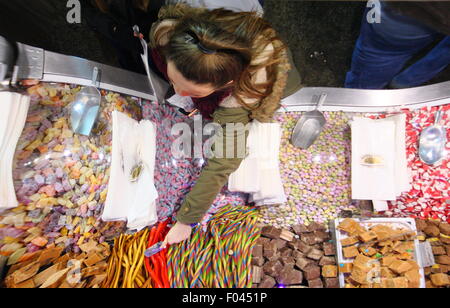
x=218, y=256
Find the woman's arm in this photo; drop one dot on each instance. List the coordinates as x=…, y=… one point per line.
x=215, y=175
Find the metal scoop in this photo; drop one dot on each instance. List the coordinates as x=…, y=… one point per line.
x=309, y=126
x=432, y=142
x=84, y=110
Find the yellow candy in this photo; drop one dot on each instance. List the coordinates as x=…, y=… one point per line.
x=87, y=235
x=76, y=221
x=103, y=196
x=434, y=239
x=32, y=146
x=9, y=240
x=59, y=148
x=77, y=230
x=93, y=147
x=46, y=202
x=80, y=241
x=60, y=123
x=91, y=197
x=91, y=221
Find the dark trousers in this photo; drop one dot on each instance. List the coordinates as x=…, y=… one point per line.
x=383, y=50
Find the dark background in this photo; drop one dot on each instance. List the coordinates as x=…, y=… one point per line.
x=321, y=34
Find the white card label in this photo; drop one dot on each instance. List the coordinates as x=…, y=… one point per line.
x=426, y=253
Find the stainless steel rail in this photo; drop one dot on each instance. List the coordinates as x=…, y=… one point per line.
x=35, y=63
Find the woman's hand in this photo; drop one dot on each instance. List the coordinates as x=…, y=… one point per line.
x=179, y=233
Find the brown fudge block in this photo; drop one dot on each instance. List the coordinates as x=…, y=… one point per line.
x=257, y=274
x=348, y=225
x=436, y=269
x=309, y=239
x=297, y=254
x=401, y=283
x=322, y=236
x=287, y=235
x=421, y=224
x=447, y=249
x=303, y=263
x=304, y=248
x=258, y=261
x=314, y=226
x=440, y=280
x=312, y=272
x=387, y=283
x=345, y=268
x=329, y=271
x=271, y=232
x=443, y=260
x=368, y=251
x=329, y=249
x=288, y=261
x=438, y=250
x=444, y=240
x=270, y=251
x=350, y=252
x=387, y=261
x=368, y=236
x=285, y=252
x=293, y=244
x=332, y=283
x=289, y=276
x=430, y=285
x=362, y=261
x=315, y=284
x=280, y=243
x=444, y=228
x=327, y=261
x=400, y=267
x=272, y=268
x=299, y=229
x=257, y=250
x=349, y=241
x=267, y=282
x=386, y=272
x=413, y=277
x=359, y=275
x=315, y=254
x=432, y=231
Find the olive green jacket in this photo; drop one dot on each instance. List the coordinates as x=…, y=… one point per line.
x=215, y=175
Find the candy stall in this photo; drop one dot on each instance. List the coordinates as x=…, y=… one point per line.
x=89, y=191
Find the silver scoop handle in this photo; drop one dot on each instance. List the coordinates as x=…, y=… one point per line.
x=438, y=117
x=95, y=77
x=322, y=99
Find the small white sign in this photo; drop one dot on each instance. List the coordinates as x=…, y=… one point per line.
x=426, y=253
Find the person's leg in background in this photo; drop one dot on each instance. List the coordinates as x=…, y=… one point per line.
x=383, y=49
x=426, y=68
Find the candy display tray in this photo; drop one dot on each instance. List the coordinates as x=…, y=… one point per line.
x=396, y=223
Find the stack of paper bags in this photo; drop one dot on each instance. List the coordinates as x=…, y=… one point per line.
x=133, y=143
x=383, y=140
x=259, y=173
x=14, y=109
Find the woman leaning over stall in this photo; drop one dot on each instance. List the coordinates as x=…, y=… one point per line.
x=235, y=69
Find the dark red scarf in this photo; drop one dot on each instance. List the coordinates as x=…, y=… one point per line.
x=206, y=105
